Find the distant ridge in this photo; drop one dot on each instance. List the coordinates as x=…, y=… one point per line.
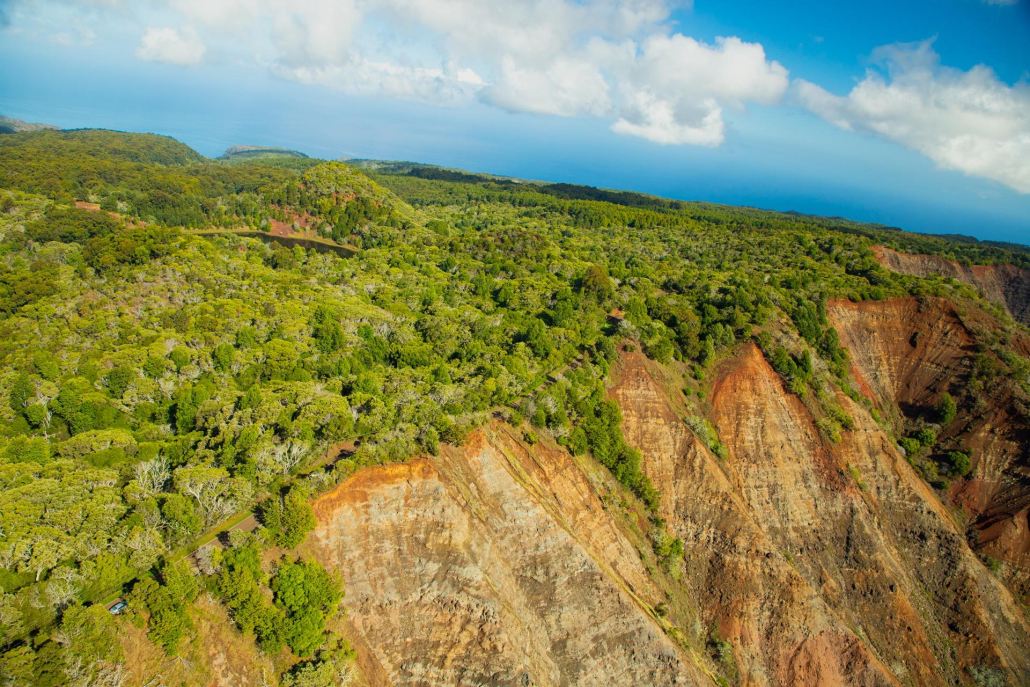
x=10, y=125
x=259, y=151
x=422, y=169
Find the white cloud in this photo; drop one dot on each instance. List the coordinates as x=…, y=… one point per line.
x=314, y=33
x=360, y=76
x=182, y=48
x=670, y=89
x=567, y=87
x=656, y=120
x=86, y=37
x=63, y=39
x=968, y=121
x=532, y=32
x=675, y=89
x=615, y=59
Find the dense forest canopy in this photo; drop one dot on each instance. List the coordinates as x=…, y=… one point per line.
x=158, y=383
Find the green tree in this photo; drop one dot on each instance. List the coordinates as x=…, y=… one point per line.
x=119, y=379
x=280, y=357
x=154, y=367
x=91, y=637
x=597, y=284
x=959, y=463
x=306, y=591
x=947, y=409
x=181, y=518
x=246, y=337
x=926, y=436
x=17, y=666
x=185, y=410
x=50, y=667
x=178, y=579
x=169, y=620
x=22, y=392
x=180, y=357
x=326, y=330
x=288, y=519
x=223, y=356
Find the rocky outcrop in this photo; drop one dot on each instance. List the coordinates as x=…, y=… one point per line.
x=806, y=562
x=906, y=353
x=823, y=564
x=494, y=564
x=747, y=588
x=1006, y=285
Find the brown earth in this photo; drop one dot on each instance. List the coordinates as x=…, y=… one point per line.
x=502, y=563
x=304, y=222
x=1006, y=285
x=215, y=655
x=907, y=353
x=814, y=577
x=494, y=564
x=747, y=588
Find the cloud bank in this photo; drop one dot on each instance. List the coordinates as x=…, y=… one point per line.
x=170, y=46
x=620, y=61
x=967, y=121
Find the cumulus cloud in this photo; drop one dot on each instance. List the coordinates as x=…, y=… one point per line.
x=620, y=60
x=649, y=117
x=968, y=121
x=361, y=76
x=566, y=87
x=675, y=89
x=182, y=48
x=84, y=37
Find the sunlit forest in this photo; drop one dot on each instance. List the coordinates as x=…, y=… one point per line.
x=165, y=377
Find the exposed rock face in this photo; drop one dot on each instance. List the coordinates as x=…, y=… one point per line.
x=493, y=565
x=782, y=631
x=1006, y=285
x=502, y=563
x=814, y=578
x=909, y=353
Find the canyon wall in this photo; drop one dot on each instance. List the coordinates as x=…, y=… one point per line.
x=1006, y=285
x=906, y=353
x=505, y=562
x=826, y=564
x=495, y=564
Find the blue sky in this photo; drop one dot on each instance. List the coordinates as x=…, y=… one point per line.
x=796, y=107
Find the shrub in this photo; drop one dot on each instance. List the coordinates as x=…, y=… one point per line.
x=829, y=429
x=911, y=447
x=946, y=409
x=959, y=463
x=926, y=437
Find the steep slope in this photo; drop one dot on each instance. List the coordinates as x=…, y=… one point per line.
x=215, y=654
x=493, y=564
x=749, y=592
x=813, y=578
x=1006, y=285
x=907, y=353
x=10, y=125
x=506, y=563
